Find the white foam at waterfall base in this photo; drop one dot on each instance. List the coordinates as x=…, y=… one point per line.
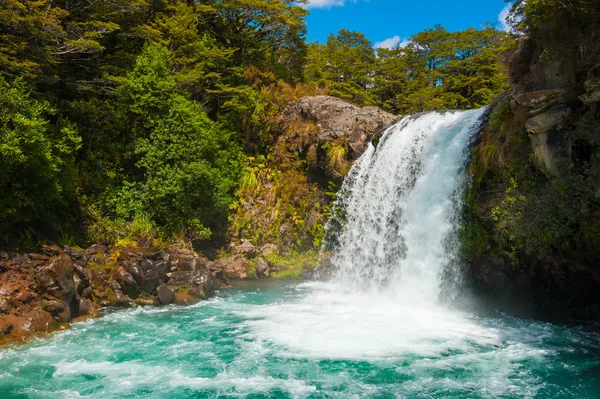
x=394, y=253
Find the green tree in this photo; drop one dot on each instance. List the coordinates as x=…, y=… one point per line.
x=182, y=167
x=345, y=65
x=264, y=33
x=37, y=163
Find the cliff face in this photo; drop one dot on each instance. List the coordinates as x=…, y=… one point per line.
x=532, y=222
x=285, y=197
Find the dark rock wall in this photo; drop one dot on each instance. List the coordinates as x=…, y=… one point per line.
x=554, y=106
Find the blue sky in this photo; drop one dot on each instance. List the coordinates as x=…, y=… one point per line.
x=387, y=22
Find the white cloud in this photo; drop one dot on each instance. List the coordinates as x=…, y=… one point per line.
x=325, y=3
x=392, y=42
x=502, y=18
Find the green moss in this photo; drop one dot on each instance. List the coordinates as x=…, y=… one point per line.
x=290, y=265
x=100, y=266
x=251, y=270
x=500, y=116
x=472, y=236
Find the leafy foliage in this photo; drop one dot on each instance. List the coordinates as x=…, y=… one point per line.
x=436, y=69
x=37, y=162
x=126, y=118
x=185, y=170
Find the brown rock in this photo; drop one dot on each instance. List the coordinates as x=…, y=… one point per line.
x=246, y=248
x=56, y=279
x=268, y=249
x=96, y=249
x=85, y=307
x=262, y=267
x=58, y=309
x=234, y=267
x=337, y=119
x=184, y=298
x=126, y=281
x=592, y=92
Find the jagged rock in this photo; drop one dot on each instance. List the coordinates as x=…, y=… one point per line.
x=544, y=122
x=539, y=101
x=162, y=268
x=160, y=256
x=165, y=295
x=268, y=249
x=96, y=249
x=234, y=267
x=246, y=248
x=121, y=299
x=338, y=119
x=30, y=322
x=56, y=278
x=40, y=290
x=151, y=279
x=188, y=264
x=127, y=282
x=592, y=92
x=262, y=267
x=184, y=298
x=180, y=279
x=60, y=310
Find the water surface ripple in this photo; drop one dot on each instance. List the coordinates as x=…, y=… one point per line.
x=304, y=341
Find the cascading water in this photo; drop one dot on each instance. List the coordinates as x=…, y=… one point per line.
x=397, y=209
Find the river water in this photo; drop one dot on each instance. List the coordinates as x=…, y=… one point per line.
x=304, y=341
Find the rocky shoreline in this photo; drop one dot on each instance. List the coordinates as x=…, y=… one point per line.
x=41, y=292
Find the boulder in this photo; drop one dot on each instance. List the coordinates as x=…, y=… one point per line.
x=96, y=249
x=592, y=92
x=542, y=123
x=262, y=267
x=180, y=279
x=234, y=267
x=85, y=307
x=268, y=249
x=184, y=298
x=539, y=101
x=60, y=310
x=165, y=295
x=126, y=282
x=337, y=119
x=56, y=278
x=246, y=248
x=151, y=278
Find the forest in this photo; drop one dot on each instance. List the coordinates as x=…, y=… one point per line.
x=125, y=117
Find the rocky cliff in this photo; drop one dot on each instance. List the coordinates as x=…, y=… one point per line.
x=532, y=222
x=284, y=198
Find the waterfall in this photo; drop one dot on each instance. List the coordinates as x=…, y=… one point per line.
x=396, y=215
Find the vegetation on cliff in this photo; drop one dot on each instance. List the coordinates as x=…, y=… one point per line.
x=531, y=225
